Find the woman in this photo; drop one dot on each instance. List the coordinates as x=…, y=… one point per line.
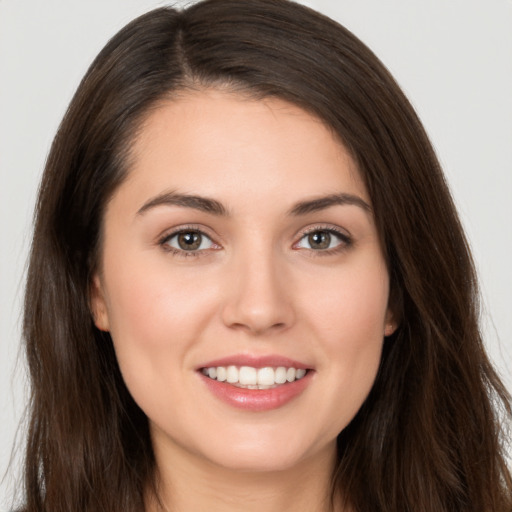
x=248, y=285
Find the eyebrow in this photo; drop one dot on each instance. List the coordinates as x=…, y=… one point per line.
x=324, y=202
x=200, y=203
x=214, y=207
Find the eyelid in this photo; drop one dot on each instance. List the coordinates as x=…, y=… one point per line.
x=332, y=228
x=344, y=236
x=167, y=235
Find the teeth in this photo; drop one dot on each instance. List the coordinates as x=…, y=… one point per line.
x=280, y=375
x=222, y=374
x=248, y=376
x=300, y=373
x=232, y=374
x=266, y=377
x=254, y=378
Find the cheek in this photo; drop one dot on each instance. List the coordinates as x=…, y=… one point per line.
x=153, y=305
x=154, y=320
x=350, y=305
x=348, y=319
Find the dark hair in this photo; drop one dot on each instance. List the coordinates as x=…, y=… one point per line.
x=428, y=436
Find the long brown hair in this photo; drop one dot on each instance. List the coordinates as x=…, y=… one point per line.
x=430, y=436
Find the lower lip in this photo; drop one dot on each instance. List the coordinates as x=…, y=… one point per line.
x=257, y=399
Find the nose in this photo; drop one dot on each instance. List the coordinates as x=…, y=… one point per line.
x=259, y=295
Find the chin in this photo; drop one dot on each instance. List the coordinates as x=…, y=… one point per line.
x=261, y=454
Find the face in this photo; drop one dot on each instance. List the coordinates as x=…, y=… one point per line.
x=242, y=282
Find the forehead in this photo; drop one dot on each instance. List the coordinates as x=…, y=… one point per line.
x=225, y=145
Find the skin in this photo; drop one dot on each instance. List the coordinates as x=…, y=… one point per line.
x=255, y=286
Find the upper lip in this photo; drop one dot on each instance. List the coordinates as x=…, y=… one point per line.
x=271, y=360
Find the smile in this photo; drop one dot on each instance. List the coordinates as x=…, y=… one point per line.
x=256, y=388
x=248, y=377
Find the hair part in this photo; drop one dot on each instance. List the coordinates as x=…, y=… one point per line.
x=428, y=436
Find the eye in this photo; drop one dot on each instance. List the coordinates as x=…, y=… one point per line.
x=323, y=240
x=189, y=240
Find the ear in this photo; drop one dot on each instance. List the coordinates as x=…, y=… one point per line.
x=98, y=304
x=390, y=325
x=394, y=313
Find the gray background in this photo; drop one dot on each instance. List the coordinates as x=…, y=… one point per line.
x=453, y=58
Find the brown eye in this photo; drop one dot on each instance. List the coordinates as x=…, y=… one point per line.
x=319, y=240
x=323, y=240
x=189, y=241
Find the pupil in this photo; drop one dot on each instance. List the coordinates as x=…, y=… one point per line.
x=189, y=241
x=320, y=240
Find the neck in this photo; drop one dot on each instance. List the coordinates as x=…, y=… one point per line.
x=187, y=482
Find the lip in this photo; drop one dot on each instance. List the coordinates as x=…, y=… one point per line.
x=256, y=399
x=255, y=362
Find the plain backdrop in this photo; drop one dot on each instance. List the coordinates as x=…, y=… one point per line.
x=453, y=58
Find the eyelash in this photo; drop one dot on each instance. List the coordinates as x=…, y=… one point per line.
x=345, y=241
x=165, y=239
